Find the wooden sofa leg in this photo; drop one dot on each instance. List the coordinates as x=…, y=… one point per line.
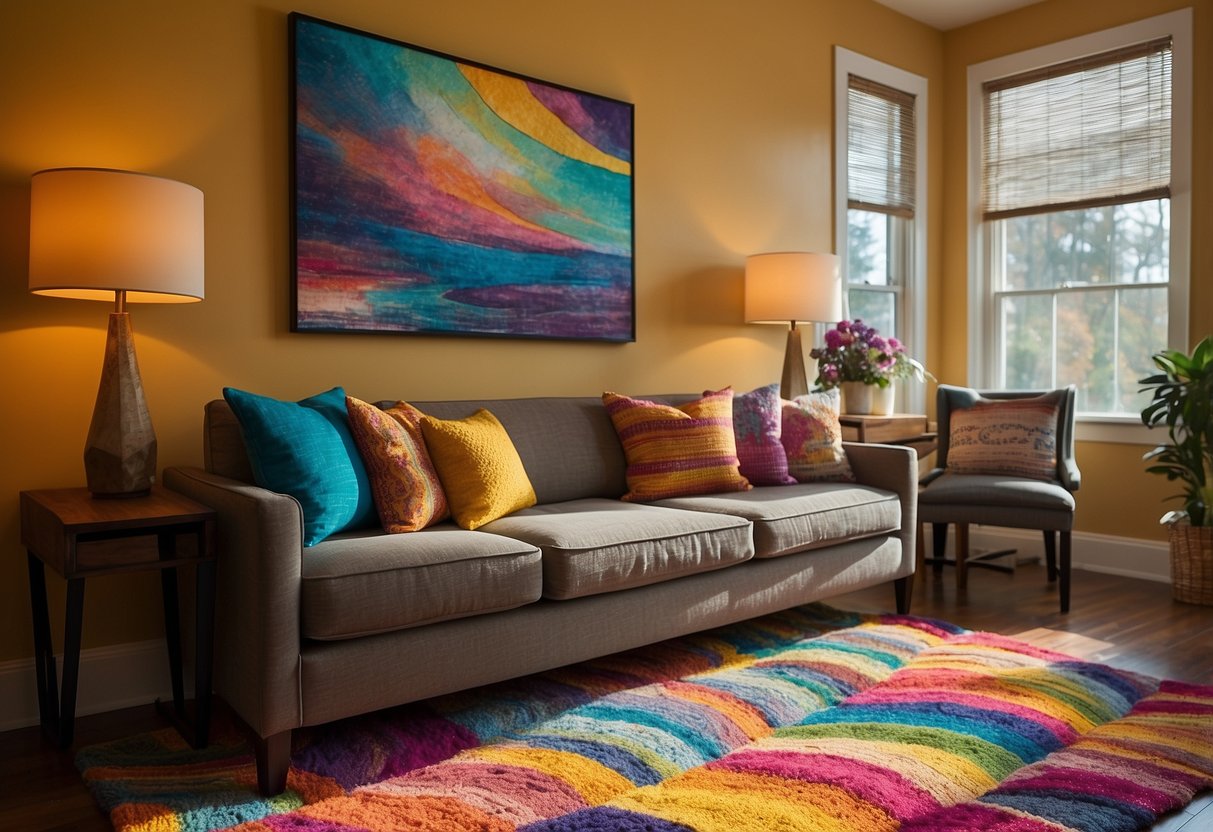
x=903, y=589
x=273, y=761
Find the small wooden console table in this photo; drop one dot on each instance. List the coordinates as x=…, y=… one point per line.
x=66, y=529
x=910, y=429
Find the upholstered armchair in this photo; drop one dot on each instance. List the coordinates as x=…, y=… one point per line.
x=1005, y=458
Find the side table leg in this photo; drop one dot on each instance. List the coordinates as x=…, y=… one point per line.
x=44, y=652
x=58, y=719
x=172, y=636
x=71, y=660
x=203, y=662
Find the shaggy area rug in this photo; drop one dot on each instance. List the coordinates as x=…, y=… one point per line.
x=813, y=719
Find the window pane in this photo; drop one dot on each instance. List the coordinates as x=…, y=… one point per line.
x=1086, y=330
x=875, y=308
x=1112, y=244
x=1142, y=332
x=867, y=248
x=1028, y=346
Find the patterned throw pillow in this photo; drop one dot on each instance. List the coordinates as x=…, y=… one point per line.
x=479, y=467
x=757, y=421
x=1010, y=437
x=408, y=494
x=677, y=451
x=812, y=438
x=305, y=449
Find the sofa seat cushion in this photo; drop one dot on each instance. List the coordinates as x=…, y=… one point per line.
x=596, y=545
x=356, y=584
x=793, y=518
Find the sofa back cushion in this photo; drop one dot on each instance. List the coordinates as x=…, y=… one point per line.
x=567, y=444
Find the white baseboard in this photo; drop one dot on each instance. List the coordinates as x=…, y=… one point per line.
x=1147, y=560
x=110, y=678
x=137, y=673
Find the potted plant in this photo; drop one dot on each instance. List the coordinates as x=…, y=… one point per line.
x=864, y=363
x=1182, y=399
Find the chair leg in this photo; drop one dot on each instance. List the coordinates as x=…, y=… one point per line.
x=1051, y=554
x=1065, y=572
x=962, y=555
x=939, y=545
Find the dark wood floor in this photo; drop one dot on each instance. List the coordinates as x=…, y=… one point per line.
x=1128, y=623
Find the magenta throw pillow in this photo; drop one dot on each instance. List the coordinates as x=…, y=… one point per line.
x=757, y=422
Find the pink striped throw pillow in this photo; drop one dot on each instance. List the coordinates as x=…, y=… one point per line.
x=677, y=451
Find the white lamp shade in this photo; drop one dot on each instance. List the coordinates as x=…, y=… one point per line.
x=792, y=286
x=94, y=232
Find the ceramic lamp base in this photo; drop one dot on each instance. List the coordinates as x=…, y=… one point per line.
x=120, y=453
x=795, y=380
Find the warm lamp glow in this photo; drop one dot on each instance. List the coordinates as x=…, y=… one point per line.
x=792, y=286
x=787, y=287
x=123, y=237
x=94, y=232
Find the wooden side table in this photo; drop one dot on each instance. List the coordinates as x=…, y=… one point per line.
x=910, y=429
x=67, y=529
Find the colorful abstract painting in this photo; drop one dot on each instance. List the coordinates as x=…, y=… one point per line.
x=436, y=195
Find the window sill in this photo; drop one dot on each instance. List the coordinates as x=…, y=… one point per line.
x=1124, y=430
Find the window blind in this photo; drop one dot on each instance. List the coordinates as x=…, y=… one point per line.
x=1090, y=132
x=881, y=156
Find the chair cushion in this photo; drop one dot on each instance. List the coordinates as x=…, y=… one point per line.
x=356, y=584
x=1015, y=437
x=794, y=518
x=594, y=546
x=1018, y=502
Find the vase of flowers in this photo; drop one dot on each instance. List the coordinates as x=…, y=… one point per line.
x=864, y=364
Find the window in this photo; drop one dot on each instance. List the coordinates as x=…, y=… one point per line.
x=880, y=194
x=1080, y=209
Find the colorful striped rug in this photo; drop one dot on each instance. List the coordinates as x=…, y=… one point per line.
x=813, y=719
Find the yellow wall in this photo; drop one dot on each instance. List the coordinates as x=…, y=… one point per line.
x=734, y=120
x=733, y=156
x=1117, y=496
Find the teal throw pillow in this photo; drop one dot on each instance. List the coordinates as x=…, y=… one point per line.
x=305, y=449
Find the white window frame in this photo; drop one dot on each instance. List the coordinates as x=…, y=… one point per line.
x=982, y=323
x=912, y=397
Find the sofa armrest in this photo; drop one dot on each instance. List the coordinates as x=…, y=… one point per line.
x=892, y=468
x=259, y=546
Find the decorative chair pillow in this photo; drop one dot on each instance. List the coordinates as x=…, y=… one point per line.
x=479, y=467
x=408, y=494
x=757, y=422
x=305, y=449
x=677, y=451
x=812, y=438
x=1011, y=437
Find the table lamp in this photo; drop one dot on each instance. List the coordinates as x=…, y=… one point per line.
x=791, y=287
x=98, y=234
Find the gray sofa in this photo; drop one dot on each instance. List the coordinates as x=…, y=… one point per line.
x=367, y=620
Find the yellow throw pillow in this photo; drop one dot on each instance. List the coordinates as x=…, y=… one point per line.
x=677, y=451
x=479, y=466
x=407, y=492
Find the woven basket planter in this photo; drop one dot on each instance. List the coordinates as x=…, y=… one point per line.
x=1192, y=563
